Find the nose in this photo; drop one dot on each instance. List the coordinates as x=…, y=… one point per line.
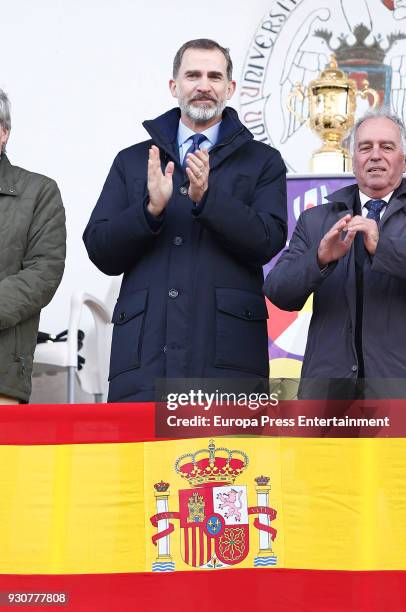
x=376, y=152
x=204, y=84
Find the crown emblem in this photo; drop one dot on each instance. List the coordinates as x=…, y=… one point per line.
x=161, y=487
x=360, y=51
x=262, y=481
x=211, y=464
x=196, y=508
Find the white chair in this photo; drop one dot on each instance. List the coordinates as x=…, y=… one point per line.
x=50, y=357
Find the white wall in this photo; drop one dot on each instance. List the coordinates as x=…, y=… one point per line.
x=82, y=75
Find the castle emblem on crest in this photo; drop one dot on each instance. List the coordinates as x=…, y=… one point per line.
x=213, y=513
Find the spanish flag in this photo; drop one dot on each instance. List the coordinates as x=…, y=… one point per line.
x=98, y=514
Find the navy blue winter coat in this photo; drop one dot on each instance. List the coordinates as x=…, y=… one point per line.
x=191, y=302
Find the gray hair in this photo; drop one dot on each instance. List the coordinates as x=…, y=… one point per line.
x=202, y=43
x=5, y=119
x=384, y=112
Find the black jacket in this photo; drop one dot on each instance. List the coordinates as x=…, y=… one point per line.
x=191, y=303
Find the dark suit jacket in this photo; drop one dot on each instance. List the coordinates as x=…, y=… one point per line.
x=330, y=350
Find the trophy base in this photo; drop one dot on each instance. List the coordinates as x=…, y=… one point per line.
x=330, y=162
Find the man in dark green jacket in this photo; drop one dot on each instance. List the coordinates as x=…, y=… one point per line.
x=32, y=256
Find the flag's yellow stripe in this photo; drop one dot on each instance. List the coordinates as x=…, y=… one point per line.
x=71, y=509
x=61, y=495
x=85, y=508
x=369, y=511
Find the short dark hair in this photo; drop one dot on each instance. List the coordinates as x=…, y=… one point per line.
x=202, y=43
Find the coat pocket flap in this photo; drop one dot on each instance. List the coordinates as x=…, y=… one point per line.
x=241, y=304
x=129, y=306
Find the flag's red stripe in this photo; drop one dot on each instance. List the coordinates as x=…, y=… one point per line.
x=186, y=533
x=260, y=590
x=202, y=538
x=76, y=423
x=194, y=562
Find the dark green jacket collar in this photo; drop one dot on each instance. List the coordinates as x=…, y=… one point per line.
x=7, y=183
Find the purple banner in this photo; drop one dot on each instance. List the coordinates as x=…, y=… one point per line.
x=287, y=331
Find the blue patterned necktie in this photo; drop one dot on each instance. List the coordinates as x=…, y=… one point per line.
x=374, y=209
x=197, y=140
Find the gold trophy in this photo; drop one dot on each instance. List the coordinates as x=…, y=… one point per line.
x=331, y=100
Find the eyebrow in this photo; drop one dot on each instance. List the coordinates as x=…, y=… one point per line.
x=211, y=73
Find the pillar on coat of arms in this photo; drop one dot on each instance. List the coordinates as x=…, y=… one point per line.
x=265, y=556
x=164, y=562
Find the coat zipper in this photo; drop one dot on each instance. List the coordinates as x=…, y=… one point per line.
x=18, y=357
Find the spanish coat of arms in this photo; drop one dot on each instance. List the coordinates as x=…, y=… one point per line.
x=213, y=513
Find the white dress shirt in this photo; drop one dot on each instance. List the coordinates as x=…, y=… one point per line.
x=185, y=138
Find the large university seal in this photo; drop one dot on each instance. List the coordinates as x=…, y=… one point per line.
x=293, y=43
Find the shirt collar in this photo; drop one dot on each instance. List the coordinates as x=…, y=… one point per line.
x=364, y=198
x=184, y=133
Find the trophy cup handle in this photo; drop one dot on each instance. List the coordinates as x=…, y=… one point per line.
x=366, y=89
x=297, y=92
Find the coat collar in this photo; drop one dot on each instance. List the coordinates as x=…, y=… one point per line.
x=397, y=202
x=7, y=185
x=164, y=129
x=232, y=135
x=346, y=195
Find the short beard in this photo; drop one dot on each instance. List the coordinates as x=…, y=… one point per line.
x=202, y=113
